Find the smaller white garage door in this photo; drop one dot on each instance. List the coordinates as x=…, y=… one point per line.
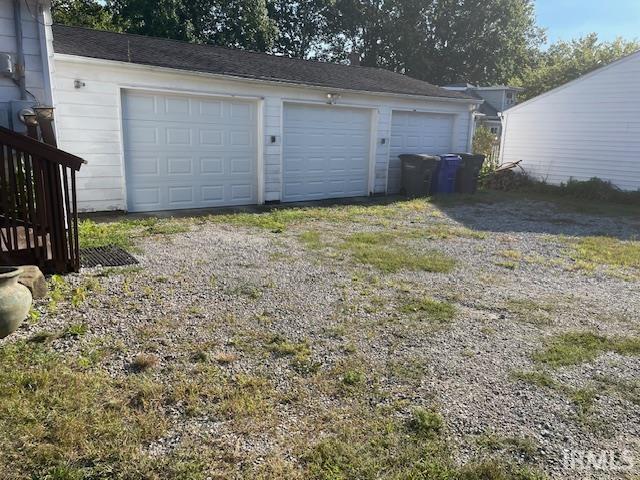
x=415, y=132
x=326, y=152
x=185, y=151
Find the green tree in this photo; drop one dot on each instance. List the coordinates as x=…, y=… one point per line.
x=566, y=61
x=358, y=26
x=159, y=18
x=232, y=23
x=301, y=26
x=240, y=23
x=441, y=41
x=83, y=13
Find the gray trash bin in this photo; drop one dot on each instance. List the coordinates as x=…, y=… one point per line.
x=417, y=172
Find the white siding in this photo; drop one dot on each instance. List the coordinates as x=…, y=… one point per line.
x=587, y=128
x=36, y=33
x=89, y=124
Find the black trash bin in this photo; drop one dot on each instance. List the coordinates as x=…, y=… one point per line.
x=417, y=172
x=467, y=177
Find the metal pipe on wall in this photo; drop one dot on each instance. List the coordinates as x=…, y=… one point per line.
x=20, y=61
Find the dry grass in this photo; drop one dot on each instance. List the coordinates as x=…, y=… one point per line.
x=144, y=362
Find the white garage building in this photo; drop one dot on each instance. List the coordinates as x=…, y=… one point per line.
x=167, y=125
x=587, y=128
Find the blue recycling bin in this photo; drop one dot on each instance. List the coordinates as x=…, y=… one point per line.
x=444, y=181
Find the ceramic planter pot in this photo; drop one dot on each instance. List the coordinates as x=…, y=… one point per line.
x=15, y=300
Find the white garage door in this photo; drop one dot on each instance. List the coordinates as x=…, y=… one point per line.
x=188, y=152
x=414, y=132
x=326, y=152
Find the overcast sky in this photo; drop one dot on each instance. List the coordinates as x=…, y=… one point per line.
x=567, y=19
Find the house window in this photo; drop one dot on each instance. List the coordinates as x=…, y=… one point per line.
x=494, y=130
x=511, y=98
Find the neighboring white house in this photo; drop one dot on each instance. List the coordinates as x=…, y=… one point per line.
x=31, y=53
x=587, y=128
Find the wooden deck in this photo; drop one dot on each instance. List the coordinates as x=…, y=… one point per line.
x=38, y=206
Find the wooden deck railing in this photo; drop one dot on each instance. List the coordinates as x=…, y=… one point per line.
x=38, y=207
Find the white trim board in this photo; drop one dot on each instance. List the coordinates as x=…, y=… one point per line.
x=88, y=60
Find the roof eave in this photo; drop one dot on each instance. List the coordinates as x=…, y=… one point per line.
x=94, y=60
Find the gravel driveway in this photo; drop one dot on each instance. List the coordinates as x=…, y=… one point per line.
x=327, y=337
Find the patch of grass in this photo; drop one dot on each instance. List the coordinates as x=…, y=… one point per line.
x=514, y=255
x=61, y=291
x=279, y=219
x=430, y=310
x=508, y=264
x=583, y=399
x=497, y=470
x=579, y=347
x=122, y=233
x=373, y=248
x=520, y=446
x=200, y=356
x=444, y=231
x=352, y=377
x=311, y=239
x=248, y=290
x=426, y=423
x=537, y=312
x=76, y=330
x=594, y=197
x=282, y=347
x=537, y=378
x=195, y=310
x=378, y=446
x=58, y=422
x=608, y=251
x=300, y=353
x=34, y=316
x=125, y=271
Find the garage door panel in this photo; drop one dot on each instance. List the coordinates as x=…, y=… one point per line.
x=325, y=152
x=139, y=105
x=211, y=165
x=180, y=166
x=416, y=132
x=213, y=194
x=174, y=161
x=181, y=194
x=210, y=138
x=210, y=108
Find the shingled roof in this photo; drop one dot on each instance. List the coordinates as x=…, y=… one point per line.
x=162, y=52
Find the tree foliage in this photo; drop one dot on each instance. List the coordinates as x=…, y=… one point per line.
x=483, y=141
x=83, y=13
x=566, y=61
x=301, y=26
x=441, y=41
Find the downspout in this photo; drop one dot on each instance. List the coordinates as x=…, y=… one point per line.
x=20, y=62
x=503, y=139
x=472, y=128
